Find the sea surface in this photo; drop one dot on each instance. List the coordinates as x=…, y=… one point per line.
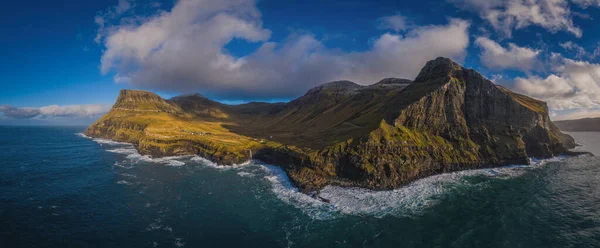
x=59, y=188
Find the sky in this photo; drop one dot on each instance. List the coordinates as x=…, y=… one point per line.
x=64, y=61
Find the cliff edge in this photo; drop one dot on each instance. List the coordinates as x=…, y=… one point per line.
x=379, y=136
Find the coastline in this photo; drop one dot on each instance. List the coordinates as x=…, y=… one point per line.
x=315, y=193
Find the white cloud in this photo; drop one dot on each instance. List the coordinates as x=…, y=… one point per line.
x=580, y=52
x=576, y=114
x=19, y=113
x=494, y=56
x=574, y=86
x=395, y=22
x=89, y=110
x=508, y=15
x=122, y=7
x=552, y=86
x=111, y=14
x=570, y=46
x=55, y=111
x=184, y=50
x=586, y=3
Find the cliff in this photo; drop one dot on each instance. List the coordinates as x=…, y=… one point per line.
x=379, y=136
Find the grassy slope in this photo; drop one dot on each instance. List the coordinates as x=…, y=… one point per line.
x=329, y=124
x=313, y=122
x=532, y=104
x=320, y=121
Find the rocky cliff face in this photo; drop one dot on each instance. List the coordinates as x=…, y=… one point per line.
x=450, y=118
x=380, y=136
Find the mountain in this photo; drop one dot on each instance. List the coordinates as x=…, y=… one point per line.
x=379, y=136
x=580, y=125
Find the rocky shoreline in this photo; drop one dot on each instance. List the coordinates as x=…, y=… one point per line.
x=380, y=136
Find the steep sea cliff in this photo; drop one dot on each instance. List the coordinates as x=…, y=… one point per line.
x=380, y=136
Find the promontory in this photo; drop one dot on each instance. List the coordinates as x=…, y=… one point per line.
x=380, y=136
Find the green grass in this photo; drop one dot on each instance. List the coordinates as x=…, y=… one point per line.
x=530, y=103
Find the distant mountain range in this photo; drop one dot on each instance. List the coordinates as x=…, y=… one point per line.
x=378, y=136
x=581, y=125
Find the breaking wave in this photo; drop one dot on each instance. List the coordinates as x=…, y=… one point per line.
x=132, y=154
x=209, y=163
x=409, y=200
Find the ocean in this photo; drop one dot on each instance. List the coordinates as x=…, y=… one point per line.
x=59, y=188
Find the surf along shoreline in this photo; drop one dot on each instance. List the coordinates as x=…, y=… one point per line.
x=323, y=195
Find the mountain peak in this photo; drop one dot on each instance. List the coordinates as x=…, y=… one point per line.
x=380, y=136
x=191, y=95
x=128, y=92
x=338, y=85
x=141, y=100
x=130, y=96
x=439, y=67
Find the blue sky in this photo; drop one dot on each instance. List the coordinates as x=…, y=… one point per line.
x=68, y=59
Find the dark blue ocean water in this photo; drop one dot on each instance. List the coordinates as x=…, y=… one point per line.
x=59, y=189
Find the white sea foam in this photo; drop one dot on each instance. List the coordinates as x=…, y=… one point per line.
x=124, y=165
x=245, y=174
x=409, y=200
x=102, y=141
x=405, y=201
x=179, y=242
x=168, y=161
x=209, y=163
x=125, y=182
x=128, y=175
x=124, y=150
x=134, y=157
x=285, y=191
x=82, y=135
x=154, y=226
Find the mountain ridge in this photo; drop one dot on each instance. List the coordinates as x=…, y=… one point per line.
x=377, y=136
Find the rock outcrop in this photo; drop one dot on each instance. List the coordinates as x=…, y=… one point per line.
x=380, y=136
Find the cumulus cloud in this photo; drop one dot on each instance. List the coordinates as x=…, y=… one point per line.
x=575, y=85
x=551, y=87
x=508, y=15
x=494, y=56
x=184, y=50
x=395, y=22
x=55, y=111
